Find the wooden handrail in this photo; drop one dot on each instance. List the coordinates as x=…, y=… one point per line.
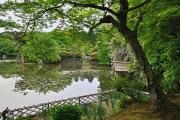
x=120, y=62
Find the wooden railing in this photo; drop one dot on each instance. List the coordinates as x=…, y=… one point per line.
x=120, y=66
x=37, y=109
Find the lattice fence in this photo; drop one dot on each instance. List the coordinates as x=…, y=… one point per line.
x=37, y=109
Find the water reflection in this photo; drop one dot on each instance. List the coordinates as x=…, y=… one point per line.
x=22, y=85
x=44, y=79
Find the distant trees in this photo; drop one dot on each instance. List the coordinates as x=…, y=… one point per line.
x=7, y=45
x=50, y=47
x=41, y=47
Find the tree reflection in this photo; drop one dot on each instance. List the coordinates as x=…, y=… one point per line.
x=45, y=78
x=103, y=76
x=36, y=77
x=8, y=70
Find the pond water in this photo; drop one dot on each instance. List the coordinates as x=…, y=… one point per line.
x=28, y=84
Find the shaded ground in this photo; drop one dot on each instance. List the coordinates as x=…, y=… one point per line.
x=141, y=111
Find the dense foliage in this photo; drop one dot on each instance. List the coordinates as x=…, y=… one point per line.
x=7, y=45
x=159, y=34
x=42, y=47
x=161, y=42
x=66, y=112
x=57, y=45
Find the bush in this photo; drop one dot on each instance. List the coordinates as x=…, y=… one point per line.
x=94, y=111
x=134, y=87
x=66, y=112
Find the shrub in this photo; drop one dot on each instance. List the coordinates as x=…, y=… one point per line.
x=133, y=87
x=66, y=112
x=94, y=111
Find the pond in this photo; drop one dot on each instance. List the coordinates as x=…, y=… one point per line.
x=28, y=84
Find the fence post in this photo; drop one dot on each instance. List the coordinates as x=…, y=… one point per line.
x=79, y=100
x=48, y=106
x=4, y=113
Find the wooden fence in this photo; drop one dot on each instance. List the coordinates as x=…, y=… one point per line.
x=120, y=66
x=37, y=109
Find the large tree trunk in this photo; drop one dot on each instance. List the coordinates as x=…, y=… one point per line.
x=158, y=97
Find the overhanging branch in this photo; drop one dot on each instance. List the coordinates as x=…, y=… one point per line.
x=106, y=19
x=110, y=19
x=40, y=14
x=96, y=25
x=139, y=6
x=103, y=8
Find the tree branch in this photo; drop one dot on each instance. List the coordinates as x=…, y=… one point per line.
x=40, y=14
x=139, y=6
x=109, y=6
x=63, y=14
x=54, y=7
x=96, y=25
x=106, y=19
x=110, y=19
x=124, y=5
x=103, y=3
x=103, y=8
x=140, y=18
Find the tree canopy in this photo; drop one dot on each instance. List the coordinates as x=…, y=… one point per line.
x=150, y=27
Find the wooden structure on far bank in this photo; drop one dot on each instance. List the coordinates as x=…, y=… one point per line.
x=118, y=66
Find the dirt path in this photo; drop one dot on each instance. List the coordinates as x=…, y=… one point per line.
x=141, y=111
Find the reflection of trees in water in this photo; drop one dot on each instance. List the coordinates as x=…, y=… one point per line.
x=104, y=77
x=8, y=70
x=88, y=71
x=82, y=75
x=71, y=65
x=36, y=77
x=44, y=78
x=105, y=80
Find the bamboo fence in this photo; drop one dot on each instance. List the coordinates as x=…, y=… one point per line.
x=37, y=109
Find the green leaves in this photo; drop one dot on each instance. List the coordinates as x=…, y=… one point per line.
x=161, y=41
x=103, y=53
x=41, y=48
x=7, y=45
x=8, y=24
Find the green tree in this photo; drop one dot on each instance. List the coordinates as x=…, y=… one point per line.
x=41, y=48
x=116, y=13
x=103, y=52
x=124, y=15
x=7, y=44
x=163, y=31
